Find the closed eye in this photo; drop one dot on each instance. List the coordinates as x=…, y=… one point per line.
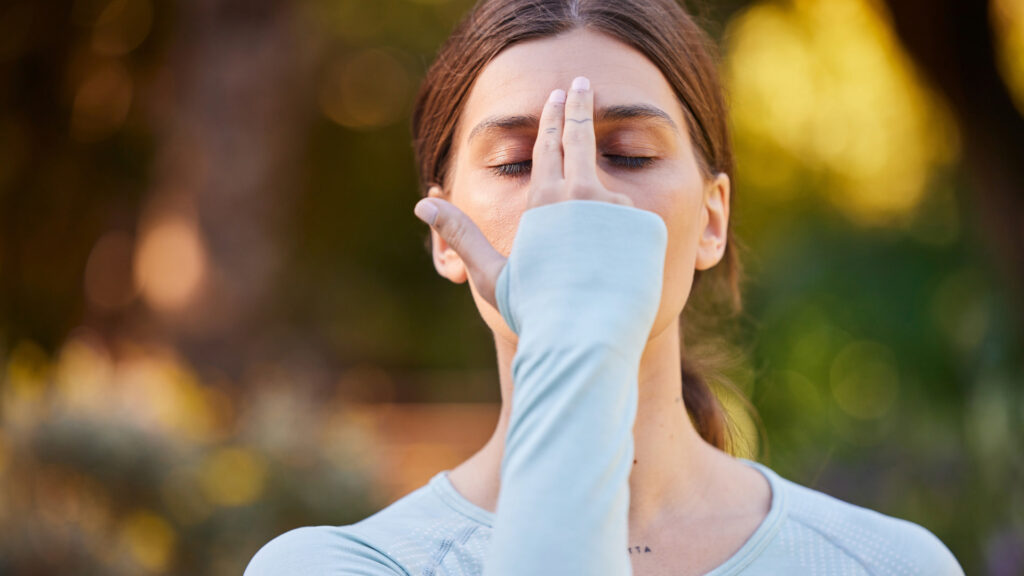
x=629, y=162
x=522, y=168
x=513, y=169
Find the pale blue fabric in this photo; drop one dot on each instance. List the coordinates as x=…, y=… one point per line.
x=581, y=289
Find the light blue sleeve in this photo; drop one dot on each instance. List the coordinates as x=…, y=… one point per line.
x=581, y=289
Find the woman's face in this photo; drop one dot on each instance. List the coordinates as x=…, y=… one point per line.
x=637, y=117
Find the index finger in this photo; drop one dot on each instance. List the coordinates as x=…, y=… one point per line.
x=547, y=150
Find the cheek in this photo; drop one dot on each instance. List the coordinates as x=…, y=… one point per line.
x=679, y=206
x=495, y=208
x=674, y=194
x=680, y=261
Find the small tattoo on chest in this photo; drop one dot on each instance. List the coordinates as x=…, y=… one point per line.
x=639, y=549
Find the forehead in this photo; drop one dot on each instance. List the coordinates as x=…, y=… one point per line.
x=519, y=79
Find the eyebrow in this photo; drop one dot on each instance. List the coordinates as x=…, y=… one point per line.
x=608, y=114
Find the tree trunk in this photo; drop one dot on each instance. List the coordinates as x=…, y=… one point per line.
x=953, y=43
x=231, y=139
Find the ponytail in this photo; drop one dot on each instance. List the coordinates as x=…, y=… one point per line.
x=714, y=302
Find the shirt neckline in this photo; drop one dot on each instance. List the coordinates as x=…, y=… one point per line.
x=755, y=544
x=764, y=533
x=443, y=488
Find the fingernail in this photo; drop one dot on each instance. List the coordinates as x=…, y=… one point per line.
x=426, y=211
x=580, y=83
x=557, y=96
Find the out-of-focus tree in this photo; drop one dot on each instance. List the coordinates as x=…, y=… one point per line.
x=231, y=121
x=954, y=43
x=879, y=286
x=969, y=52
x=75, y=149
x=202, y=193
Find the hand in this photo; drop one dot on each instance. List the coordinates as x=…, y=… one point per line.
x=564, y=168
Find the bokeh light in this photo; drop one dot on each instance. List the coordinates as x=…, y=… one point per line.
x=102, y=101
x=122, y=26
x=1008, y=22
x=170, y=262
x=109, y=283
x=865, y=380
x=149, y=540
x=232, y=476
x=365, y=90
x=823, y=87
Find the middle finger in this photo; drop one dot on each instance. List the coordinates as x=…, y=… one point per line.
x=578, y=141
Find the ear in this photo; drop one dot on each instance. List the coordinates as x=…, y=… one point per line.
x=714, y=223
x=446, y=261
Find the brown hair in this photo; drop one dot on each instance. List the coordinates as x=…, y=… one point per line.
x=669, y=37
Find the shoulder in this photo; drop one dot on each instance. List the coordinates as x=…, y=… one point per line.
x=321, y=550
x=419, y=531
x=881, y=543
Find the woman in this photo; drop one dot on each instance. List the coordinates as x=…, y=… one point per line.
x=577, y=163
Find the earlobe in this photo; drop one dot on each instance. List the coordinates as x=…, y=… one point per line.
x=446, y=261
x=714, y=235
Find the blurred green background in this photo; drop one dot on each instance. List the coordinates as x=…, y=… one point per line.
x=219, y=321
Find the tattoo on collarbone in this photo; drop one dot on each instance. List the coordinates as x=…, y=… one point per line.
x=639, y=549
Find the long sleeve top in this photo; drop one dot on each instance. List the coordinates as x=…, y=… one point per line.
x=581, y=289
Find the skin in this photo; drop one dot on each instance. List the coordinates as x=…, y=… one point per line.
x=691, y=505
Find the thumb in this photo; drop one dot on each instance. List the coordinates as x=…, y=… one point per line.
x=483, y=262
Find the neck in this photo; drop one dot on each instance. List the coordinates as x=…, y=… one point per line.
x=669, y=454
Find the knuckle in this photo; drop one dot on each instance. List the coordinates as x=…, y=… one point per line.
x=577, y=136
x=546, y=190
x=539, y=199
x=583, y=187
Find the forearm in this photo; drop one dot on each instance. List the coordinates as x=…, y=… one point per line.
x=581, y=290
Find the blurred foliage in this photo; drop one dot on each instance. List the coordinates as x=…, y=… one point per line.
x=880, y=356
